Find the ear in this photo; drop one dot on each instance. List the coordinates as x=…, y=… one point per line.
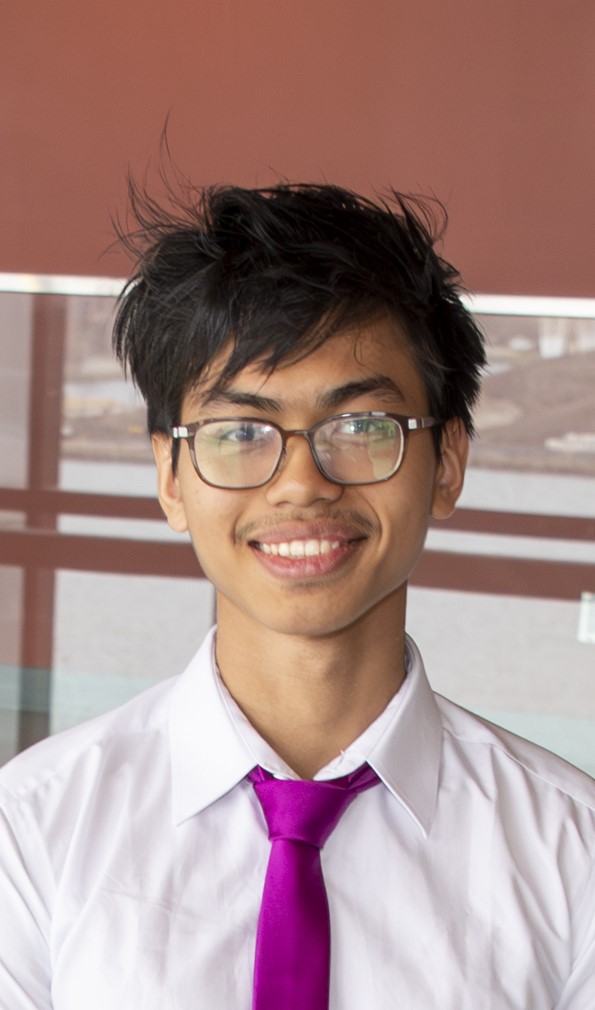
x=450, y=472
x=168, y=485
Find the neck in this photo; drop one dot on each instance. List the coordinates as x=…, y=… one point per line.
x=309, y=698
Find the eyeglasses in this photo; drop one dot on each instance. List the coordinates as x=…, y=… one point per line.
x=245, y=452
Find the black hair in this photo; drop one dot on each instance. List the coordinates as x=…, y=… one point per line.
x=274, y=272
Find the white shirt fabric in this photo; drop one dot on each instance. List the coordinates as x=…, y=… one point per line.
x=133, y=853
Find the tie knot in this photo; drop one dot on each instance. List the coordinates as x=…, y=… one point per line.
x=306, y=811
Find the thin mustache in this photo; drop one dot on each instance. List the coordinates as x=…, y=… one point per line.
x=350, y=517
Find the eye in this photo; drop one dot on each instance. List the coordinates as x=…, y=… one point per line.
x=240, y=433
x=379, y=427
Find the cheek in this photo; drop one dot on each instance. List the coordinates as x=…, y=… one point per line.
x=422, y=478
x=404, y=516
x=212, y=520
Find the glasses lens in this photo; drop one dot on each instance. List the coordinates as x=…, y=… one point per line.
x=236, y=454
x=360, y=449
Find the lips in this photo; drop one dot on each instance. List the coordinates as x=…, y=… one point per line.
x=304, y=550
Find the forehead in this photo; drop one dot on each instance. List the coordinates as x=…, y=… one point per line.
x=379, y=350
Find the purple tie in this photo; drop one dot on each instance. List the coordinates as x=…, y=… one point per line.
x=291, y=969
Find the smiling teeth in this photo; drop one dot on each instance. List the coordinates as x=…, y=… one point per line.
x=300, y=548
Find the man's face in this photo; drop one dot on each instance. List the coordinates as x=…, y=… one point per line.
x=301, y=555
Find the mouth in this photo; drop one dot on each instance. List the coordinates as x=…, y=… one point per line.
x=310, y=548
x=308, y=557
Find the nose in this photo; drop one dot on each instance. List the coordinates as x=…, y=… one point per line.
x=298, y=481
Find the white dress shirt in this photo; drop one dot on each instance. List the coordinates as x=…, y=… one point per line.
x=133, y=853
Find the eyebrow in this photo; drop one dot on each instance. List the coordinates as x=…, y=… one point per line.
x=238, y=398
x=359, y=387
x=329, y=400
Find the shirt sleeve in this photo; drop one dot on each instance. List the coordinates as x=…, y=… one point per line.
x=26, y=889
x=579, y=991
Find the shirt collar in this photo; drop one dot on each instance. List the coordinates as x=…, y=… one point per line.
x=208, y=755
x=408, y=755
x=211, y=754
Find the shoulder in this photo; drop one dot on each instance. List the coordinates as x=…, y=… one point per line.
x=83, y=750
x=508, y=761
x=134, y=737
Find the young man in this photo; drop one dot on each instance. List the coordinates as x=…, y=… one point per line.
x=309, y=373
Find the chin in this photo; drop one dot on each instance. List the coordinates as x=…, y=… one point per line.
x=310, y=625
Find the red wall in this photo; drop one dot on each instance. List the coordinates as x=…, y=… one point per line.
x=490, y=105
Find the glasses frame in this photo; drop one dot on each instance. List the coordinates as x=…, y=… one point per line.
x=186, y=432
